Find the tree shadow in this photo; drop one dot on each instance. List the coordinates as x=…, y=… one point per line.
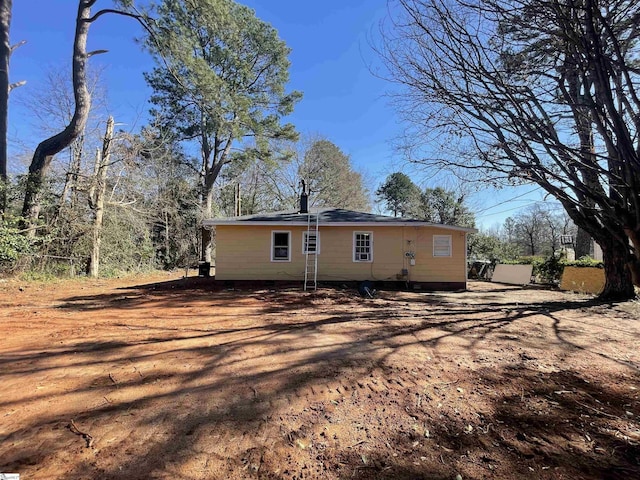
x=544, y=431
x=262, y=394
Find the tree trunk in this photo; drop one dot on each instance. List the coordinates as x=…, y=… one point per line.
x=208, y=236
x=618, y=281
x=5, y=55
x=207, y=245
x=532, y=245
x=71, y=180
x=96, y=199
x=48, y=148
x=77, y=148
x=634, y=263
x=167, y=243
x=582, y=244
x=97, y=205
x=634, y=268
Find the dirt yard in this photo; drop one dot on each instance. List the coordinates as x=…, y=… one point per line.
x=168, y=378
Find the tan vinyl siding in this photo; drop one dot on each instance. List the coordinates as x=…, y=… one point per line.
x=243, y=253
x=439, y=269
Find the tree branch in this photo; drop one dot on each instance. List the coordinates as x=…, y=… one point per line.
x=17, y=45
x=17, y=84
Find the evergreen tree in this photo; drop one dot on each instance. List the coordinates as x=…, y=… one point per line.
x=400, y=195
x=443, y=206
x=220, y=78
x=331, y=178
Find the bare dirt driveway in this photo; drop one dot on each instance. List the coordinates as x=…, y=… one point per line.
x=167, y=378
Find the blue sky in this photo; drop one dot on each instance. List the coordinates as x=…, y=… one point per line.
x=332, y=63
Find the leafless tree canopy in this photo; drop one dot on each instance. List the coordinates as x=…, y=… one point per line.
x=540, y=91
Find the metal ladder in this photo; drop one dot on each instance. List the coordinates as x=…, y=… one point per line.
x=311, y=260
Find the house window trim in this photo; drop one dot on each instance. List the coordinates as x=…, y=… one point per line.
x=273, y=237
x=353, y=255
x=449, y=241
x=304, y=243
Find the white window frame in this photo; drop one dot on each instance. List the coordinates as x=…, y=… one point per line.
x=305, y=236
x=273, y=238
x=355, y=241
x=448, y=239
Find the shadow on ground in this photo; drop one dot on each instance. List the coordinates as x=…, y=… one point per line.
x=202, y=380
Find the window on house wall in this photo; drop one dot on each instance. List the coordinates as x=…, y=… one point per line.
x=362, y=246
x=310, y=242
x=280, y=246
x=442, y=245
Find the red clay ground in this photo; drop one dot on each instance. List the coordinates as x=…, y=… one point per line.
x=173, y=379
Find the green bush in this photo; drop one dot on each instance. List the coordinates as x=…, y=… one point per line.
x=585, y=261
x=550, y=270
x=527, y=260
x=126, y=245
x=13, y=245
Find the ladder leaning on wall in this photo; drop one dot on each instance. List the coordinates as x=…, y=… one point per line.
x=311, y=253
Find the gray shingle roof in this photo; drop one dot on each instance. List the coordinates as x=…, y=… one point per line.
x=326, y=216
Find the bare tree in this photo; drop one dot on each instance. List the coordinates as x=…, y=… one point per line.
x=533, y=91
x=51, y=109
x=330, y=175
x=531, y=230
x=537, y=230
x=6, y=49
x=45, y=151
x=97, y=197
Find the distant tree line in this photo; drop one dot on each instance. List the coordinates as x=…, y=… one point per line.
x=403, y=198
x=534, y=231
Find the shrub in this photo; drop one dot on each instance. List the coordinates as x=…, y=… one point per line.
x=585, y=261
x=550, y=270
x=13, y=245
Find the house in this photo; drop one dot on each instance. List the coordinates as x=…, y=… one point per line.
x=336, y=245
